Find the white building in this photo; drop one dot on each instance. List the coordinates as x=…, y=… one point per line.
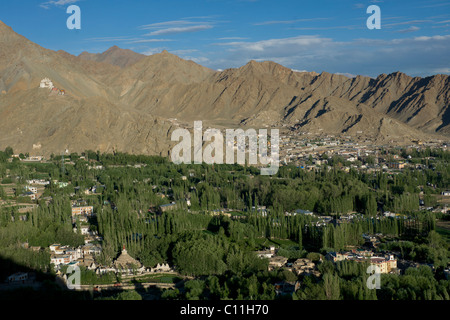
x=31, y=189
x=40, y=182
x=46, y=83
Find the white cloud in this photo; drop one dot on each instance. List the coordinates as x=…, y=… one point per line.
x=183, y=52
x=233, y=38
x=151, y=51
x=274, y=44
x=183, y=25
x=126, y=40
x=348, y=75
x=410, y=29
x=165, y=24
x=179, y=30
x=442, y=70
x=48, y=4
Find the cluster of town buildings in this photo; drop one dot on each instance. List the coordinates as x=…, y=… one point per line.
x=386, y=263
x=312, y=153
x=86, y=254
x=298, y=267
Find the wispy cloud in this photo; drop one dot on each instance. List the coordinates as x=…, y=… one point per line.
x=184, y=25
x=388, y=25
x=263, y=45
x=233, y=38
x=166, y=24
x=59, y=3
x=410, y=29
x=180, y=30
x=128, y=40
x=265, y=23
x=350, y=27
x=436, y=5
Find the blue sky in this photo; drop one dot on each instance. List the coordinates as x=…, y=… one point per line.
x=320, y=35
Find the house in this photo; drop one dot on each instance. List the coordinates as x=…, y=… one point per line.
x=302, y=212
x=60, y=259
x=46, y=83
x=40, y=182
x=161, y=268
x=86, y=211
x=91, y=249
x=363, y=253
x=304, y=266
x=385, y=264
x=30, y=195
x=85, y=229
x=167, y=207
x=34, y=159
x=277, y=262
x=265, y=254
x=396, y=165
x=54, y=247
x=335, y=256
x=31, y=189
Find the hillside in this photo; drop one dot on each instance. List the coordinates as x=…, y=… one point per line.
x=120, y=99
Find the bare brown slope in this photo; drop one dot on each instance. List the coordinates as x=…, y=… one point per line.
x=35, y=117
x=419, y=102
x=85, y=118
x=114, y=56
x=261, y=93
x=335, y=115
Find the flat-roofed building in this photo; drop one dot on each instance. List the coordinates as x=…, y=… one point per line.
x=85, y=211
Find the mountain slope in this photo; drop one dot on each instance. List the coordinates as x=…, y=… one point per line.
x=112, y=101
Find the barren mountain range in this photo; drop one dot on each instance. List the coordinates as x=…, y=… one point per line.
x=123, y=100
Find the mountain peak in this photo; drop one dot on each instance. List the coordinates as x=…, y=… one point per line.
x=115, y=56
x=113, y=49
x=167, y=54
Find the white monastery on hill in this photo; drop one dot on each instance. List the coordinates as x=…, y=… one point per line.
x=46, y=83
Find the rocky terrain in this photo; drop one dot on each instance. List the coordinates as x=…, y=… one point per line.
x=123, y=100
